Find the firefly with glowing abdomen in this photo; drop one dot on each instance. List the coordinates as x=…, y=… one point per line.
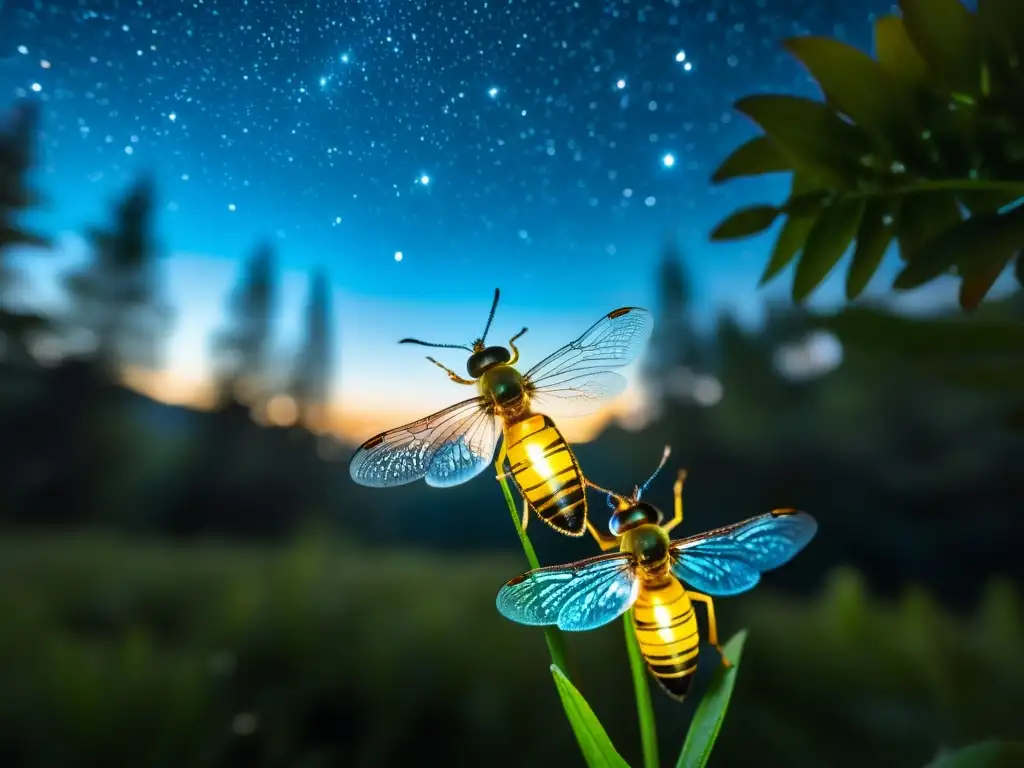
x=647, y=575
x=452, y=446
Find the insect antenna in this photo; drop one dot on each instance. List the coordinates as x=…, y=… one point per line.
x=490, y=317
x=439, y=346
x=638, y=492
x=611, y=495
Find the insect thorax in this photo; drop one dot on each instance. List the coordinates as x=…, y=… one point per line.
x=647, y=542
x=502, y=383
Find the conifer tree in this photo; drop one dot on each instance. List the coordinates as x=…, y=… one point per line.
x=17, y=156
x=115, y=296
x=674, y=344
x=241, y=349
x=311, y=379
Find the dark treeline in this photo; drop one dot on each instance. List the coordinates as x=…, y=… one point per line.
x=912, y=481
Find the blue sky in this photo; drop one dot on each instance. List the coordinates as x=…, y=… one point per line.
x=541, y=147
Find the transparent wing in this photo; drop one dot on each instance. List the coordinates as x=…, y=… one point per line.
x=465, y=452
x=730, y=560
x=583, y=595
x=460, y=439
x=574, y=375
x=579, y=395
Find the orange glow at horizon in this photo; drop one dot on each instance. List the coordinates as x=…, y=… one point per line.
x=354, y=425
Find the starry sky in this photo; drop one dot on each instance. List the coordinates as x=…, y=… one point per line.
x=423, y=152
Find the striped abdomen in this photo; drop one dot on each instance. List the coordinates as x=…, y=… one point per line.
x=666, y=628
x=545, y=471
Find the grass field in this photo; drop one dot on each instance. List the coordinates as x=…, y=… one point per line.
x=125, y=652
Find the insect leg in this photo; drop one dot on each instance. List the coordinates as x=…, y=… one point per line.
x=526, y=513
x=451, y=374
x=677, y=497
x=499, y=463
x=604, y=541
x=712, y=624
x=512, y=346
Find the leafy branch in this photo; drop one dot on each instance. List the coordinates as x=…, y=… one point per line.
x=921, y=146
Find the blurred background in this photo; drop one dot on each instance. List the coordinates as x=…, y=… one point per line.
x=215, y=222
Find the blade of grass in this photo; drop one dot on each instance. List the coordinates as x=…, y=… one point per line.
x=707, y=720
x=552, y=635
x=644, y=707
x=598, y=750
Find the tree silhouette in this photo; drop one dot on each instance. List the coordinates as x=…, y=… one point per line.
x=17, y=156
x=115, y=297
x=242, y=348
x=311, y=379
x=675, y=346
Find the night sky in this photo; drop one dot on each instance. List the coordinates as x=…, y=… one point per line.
x=546, y=147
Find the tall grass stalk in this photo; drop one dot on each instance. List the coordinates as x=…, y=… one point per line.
x=644, y=707
x=552, y=635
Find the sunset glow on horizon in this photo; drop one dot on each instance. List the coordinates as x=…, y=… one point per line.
x=628, y=409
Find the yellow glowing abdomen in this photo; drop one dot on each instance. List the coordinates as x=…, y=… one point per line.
x=545, y=471
x=666, y=628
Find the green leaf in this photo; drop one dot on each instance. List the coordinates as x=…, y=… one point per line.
x=946, y=35
x=920, y=217
x=1002, y=34
x=984, y=754
x=745, y=222
x=812, y=135
x=791, y=239
x=978, y=281
x=710, y=714
x=827, y=242
x=873, y=238
x=1018, y=269
x=808, y=203
x=859, y=87
x=896, y=54
x=980, y=244
x=803, y=207
x=594, y=743
x=755, y=158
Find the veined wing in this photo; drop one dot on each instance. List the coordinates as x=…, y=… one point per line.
x=578, y=376
x=583, y=595
x=730, y=560
x=579, y=395
x=447, y=448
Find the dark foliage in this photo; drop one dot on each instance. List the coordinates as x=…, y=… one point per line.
x=919, y=147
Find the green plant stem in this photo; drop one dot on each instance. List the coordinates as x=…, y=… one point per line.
x=552, y=635
x=644, y=707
